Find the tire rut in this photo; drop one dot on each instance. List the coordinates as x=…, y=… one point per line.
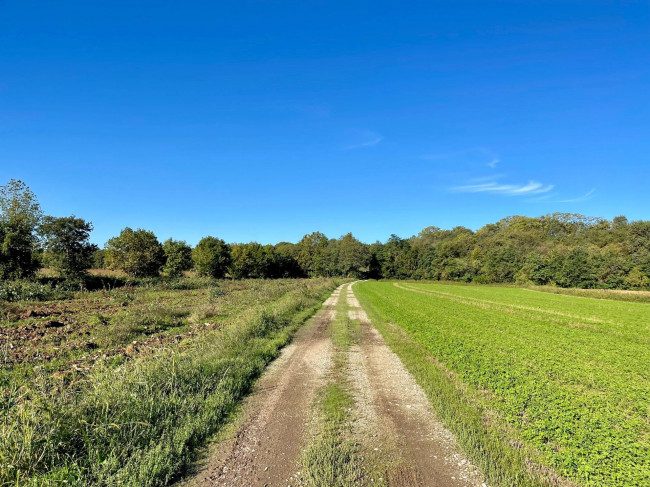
x=397, y=427
x=393, y=422
x=266, y=449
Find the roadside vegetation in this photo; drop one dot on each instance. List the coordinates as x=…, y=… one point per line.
x=537, y=387
x=122, y=386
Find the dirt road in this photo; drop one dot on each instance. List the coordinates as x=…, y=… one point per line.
x=414, y=446
x=394, y=425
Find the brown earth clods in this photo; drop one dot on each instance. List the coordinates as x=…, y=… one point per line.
x=37, y=335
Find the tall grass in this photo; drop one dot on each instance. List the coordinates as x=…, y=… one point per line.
x=140, y=424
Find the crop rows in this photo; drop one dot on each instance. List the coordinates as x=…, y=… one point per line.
x=567, y=376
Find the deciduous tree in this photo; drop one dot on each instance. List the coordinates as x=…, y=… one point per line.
x=136, y=252
x=211, y=257
x=66, y=245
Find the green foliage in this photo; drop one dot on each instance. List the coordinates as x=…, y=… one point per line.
x=637, y=279
x=136, y=252
x=20, y=215
x=211, y=257
x=562, y=249
x=251, y=260
x=19, y=205
x=312, y=254
x=17, y=257
x=66, y=244
x=565, y=375
x=354, y=257
x=98, y=259
x=178, y=257
x=25, y=290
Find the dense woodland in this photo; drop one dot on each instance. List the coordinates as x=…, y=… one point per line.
x=567, y=250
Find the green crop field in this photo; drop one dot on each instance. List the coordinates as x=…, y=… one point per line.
x=540, y=388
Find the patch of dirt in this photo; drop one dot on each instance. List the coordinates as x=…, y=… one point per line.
x=393, y=421
x=265, y=451
x=396, y=424
x=39, y=334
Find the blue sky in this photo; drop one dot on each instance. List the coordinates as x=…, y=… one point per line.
x=268, y=120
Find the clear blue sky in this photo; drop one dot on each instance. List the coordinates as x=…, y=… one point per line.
x=268, y=120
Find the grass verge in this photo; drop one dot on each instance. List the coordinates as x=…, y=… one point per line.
x=141, y=423
x=488, y=445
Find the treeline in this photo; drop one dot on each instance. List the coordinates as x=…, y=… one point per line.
x=562, y=249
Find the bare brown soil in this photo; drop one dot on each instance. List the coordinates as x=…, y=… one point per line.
x=394, y=425
x=396, y=421
x=50, y=331
x=266, y=449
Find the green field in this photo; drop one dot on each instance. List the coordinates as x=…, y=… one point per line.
x=539, y=388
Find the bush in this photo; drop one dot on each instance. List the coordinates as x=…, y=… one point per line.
x=137, y=252
x=178, y=257
x=24, y=290
x=211, y=257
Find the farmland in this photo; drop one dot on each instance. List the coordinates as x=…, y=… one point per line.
x=539, y=388
x=390, y=383
x=123, y=385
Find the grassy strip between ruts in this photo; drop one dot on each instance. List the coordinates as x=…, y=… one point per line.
x=140, y=424
x=332, y=458
x=487, y=444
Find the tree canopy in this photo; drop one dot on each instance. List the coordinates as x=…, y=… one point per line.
x=562, y=249
x=67, y=246
x=136, y=252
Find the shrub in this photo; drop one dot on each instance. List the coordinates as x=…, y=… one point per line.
x=29, y=290
x=211, y=257
x=136, y=252
x=178, y=257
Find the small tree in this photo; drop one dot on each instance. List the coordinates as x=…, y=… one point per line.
x=211, y=257
x=178, y=257
x=20, y=215
x=136, y=252
x=66, y=245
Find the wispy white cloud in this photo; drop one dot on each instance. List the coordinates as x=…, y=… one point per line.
x=556, y=198
x=587, y=196
x=368, y=139
x=532, y=187
x=493, y=163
